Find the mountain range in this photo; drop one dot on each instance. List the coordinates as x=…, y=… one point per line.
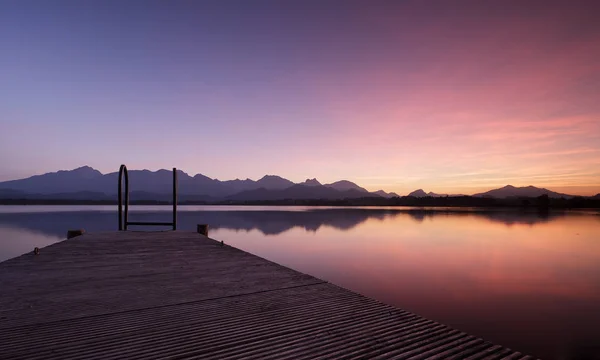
x=86, y=183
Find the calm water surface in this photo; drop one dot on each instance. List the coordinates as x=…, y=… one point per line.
x=528, y=281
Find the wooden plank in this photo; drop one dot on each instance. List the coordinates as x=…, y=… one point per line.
x=182, y=295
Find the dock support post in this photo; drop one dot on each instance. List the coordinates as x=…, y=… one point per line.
x=203, y=229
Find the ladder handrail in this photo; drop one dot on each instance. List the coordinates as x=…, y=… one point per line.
x=124, y=224
x=123, y=171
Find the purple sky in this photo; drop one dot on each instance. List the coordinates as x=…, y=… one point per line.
x=450, y=96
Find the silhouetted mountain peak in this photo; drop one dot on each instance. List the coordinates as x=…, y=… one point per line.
x=311, y=182
x=273, y=182
x=344, y=185
x=83, y=171
x=525, y=191
x=272, y=178
x=200, y=176
x=422, y=193
x=267, y=177
x=385, y=194
x=418, y=193
x=161, y=172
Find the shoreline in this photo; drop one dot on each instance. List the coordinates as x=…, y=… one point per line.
x=426, y=209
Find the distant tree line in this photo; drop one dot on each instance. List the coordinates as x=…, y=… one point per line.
x=541, y=202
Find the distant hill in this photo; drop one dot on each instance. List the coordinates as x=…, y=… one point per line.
x=268, y=182
x=385, y=194
x=273, y=182
x=240, y=185
x=418, y=193
x=12, y=194
x=422, y=193
x=344, y=185
x=310, y=182
x=597, y=196
x=299, y=192
x=79, y=195
x=525, y=191
x=81, y=179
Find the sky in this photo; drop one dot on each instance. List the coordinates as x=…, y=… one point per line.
x=448, y=96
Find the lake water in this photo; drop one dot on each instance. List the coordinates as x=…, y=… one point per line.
x=529, y=281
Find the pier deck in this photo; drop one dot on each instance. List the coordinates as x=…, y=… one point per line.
x=181, y=295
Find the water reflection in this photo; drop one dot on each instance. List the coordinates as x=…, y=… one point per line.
x=15, y=241
x=527, y=280
x=268, y=222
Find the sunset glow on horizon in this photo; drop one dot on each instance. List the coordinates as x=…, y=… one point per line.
x=451, y=97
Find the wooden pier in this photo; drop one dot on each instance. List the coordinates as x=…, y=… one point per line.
x=181, y=295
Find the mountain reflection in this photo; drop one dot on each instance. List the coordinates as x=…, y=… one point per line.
x=268, y=222
x=507, y=217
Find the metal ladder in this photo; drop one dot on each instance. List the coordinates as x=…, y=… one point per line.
x=123, y=218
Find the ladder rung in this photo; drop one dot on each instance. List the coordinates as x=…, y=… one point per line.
x=150, y=223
